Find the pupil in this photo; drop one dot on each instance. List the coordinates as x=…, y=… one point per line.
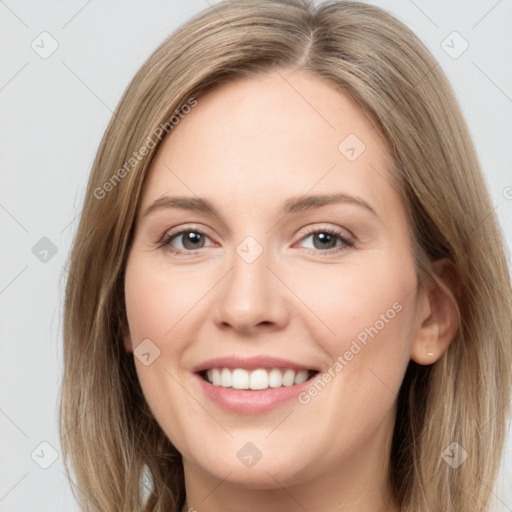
x=325, y=237
x=193, y=238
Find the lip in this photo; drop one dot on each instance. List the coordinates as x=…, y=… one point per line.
x=245, y=401
x=250, y=363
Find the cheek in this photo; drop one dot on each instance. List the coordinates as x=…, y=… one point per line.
x=160, y=306
x=368, y=313
x=157, y=301
x=355, y=299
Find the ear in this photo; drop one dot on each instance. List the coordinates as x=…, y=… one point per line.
x=438, y=316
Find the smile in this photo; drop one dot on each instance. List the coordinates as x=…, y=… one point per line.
x=257, y=379
x=252, y=385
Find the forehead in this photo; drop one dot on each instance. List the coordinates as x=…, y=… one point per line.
x=257, y=140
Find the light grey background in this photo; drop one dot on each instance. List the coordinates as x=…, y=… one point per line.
x=54, y=111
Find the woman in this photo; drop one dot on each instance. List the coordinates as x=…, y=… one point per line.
x=214, y=357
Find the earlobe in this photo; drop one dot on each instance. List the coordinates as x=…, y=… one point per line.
x=438, y=316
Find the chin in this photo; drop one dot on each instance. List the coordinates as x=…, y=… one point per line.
x=268, y=470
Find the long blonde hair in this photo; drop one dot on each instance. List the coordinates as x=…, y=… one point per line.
x=118, y=452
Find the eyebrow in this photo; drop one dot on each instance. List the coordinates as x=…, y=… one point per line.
x=292, y=205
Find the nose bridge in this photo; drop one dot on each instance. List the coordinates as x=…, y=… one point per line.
x=251, y=294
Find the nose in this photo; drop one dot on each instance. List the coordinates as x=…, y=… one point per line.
x=251, y=298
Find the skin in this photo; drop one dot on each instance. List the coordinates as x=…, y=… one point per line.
x=249, y=145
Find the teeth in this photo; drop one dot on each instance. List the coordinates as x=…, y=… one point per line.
x=225, y=378
x=288, y=378
x=259, y=379
x=301, y=377
x=275, y=378
x=239, y=378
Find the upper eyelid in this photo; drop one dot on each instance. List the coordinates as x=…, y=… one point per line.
x=179, y=231
x=323, y=225
x=206, y=231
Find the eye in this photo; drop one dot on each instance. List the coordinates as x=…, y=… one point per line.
x=189, y=239
x=328, y=240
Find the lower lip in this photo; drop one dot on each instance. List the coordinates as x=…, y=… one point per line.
x=248, y=401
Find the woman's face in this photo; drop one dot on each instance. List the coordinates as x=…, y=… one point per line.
x=294, y=262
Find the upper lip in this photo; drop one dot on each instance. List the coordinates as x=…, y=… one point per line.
x=250, y=363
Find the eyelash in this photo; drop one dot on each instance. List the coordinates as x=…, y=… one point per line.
x=165, y=242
